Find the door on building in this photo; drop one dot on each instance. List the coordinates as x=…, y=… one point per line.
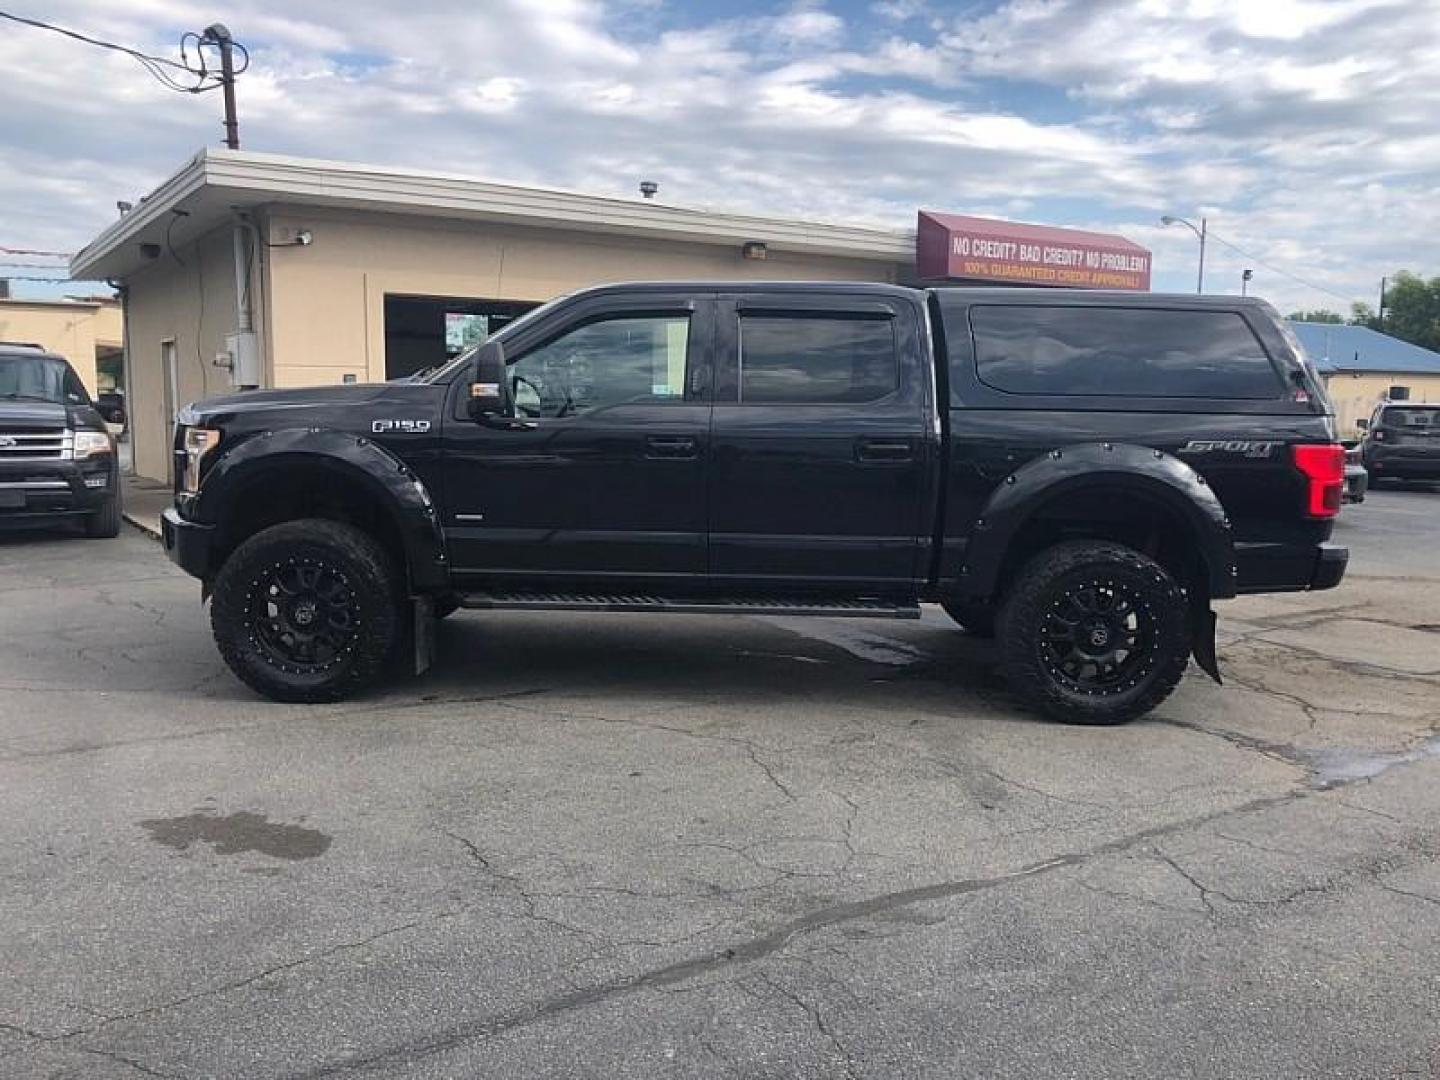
x=170, y=373
x=423, y=332
x=601, y=476
x=819, y=456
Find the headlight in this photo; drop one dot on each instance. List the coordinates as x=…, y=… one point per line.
x=89, y=444
x=198, y=442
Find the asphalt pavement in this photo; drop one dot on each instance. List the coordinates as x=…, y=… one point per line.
x=636, y=846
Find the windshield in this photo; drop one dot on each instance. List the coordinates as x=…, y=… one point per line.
x=444, y=372
x=34, y=378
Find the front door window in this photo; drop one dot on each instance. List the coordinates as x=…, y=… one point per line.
x=621, y=361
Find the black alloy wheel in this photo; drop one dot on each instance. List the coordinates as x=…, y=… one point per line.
x=1096, y=635
x=304, y=613
x=308, y=610
x=1093, y=632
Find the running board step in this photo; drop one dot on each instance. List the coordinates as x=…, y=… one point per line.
x=718, y=605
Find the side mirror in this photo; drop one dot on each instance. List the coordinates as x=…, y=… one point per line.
x=490, y=390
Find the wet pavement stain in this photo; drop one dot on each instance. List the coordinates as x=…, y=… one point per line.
x=1334, y=767
x=235, y=834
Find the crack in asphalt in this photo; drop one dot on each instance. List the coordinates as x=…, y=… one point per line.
x=136, y=1065
x=749, y=746
x=817, y=1018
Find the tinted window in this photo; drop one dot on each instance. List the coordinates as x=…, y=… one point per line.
x=613, y=362
x=1120, y=352
x=41, y=378
x=1411, y=418
x=811, y=360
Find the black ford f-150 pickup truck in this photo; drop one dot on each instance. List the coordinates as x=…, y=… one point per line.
x=1079, y=474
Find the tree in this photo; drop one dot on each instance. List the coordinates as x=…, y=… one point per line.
x=1362, y=314
x=1320, y=315
x=1412, y=309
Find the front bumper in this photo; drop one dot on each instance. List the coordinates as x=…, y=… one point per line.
x=187, y=543
x=38, y=492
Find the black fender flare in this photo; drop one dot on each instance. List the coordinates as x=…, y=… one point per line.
x=1159, y=478
x=393, y=483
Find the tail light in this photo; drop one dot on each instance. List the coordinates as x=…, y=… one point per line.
x=1324, y=469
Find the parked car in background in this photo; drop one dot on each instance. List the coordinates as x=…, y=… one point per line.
x=111, y=405
x=57, y=458
x=1402, y=442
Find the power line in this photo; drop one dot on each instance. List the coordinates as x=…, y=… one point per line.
x=158, y=67
x=1275, y=269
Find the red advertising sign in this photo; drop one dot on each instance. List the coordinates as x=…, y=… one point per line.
x=952, y=246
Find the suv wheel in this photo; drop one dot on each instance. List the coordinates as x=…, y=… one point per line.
x=1094, y=632
x=307, y=611
x=105, y=522
x=975, y=619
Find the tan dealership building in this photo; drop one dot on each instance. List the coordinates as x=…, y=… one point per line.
x=248, y=269
x=87, y=331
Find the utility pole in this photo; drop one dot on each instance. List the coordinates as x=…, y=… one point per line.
x=1200, y=281
x=1380, y=311
x=217, y=34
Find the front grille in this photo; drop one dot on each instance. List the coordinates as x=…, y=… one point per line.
x=36, y=446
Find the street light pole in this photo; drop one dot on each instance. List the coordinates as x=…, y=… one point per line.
x=1201, y=234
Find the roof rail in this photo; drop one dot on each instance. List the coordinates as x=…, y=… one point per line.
x=23, y=345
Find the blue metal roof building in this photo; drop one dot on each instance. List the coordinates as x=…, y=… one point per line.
x=1358, y=348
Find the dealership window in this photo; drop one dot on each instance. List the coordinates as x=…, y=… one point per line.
x=423, y=332
x=816, y=360
x=618, y=361
x=1120, y=352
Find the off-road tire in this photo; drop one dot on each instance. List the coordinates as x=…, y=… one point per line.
x=104, y=524
x=355, y=578
x=1032, y=632
x=975, y=619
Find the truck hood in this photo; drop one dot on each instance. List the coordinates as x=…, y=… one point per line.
x=254, y=401
x=37, y=414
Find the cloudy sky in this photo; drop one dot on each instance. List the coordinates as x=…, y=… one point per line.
x=1307, y=131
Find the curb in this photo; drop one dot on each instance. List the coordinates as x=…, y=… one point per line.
x=142, y=524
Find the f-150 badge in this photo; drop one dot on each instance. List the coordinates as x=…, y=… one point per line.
x=1244, y=447
x=402, y=427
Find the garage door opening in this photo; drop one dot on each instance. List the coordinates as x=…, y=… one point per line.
x=426, y=331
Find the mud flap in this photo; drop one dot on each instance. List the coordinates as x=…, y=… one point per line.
x=1202, y=639
x=424, y=608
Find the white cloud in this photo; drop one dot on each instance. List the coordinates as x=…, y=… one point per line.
x=1303, y=128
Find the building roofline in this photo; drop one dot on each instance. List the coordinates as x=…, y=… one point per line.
x=69, y=305
x=246, y=178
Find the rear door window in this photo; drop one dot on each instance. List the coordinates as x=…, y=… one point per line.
x=1073, y=351
x=816, y=359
